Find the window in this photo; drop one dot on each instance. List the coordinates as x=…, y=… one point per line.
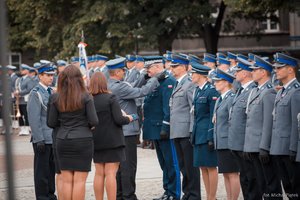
x=271, y=24
x=15, y=59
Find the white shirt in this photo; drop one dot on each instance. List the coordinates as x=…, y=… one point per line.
x=44, y=86
x=202, y=86
x=260, y=86
x=288, y=84
x=180, y=79
x=224, y=94
x=247, y=84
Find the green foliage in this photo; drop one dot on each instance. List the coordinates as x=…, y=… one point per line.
x=120, y=26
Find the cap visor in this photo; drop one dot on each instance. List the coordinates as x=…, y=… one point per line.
x=276, y=65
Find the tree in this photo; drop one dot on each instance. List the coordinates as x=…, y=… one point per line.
x=121, y=26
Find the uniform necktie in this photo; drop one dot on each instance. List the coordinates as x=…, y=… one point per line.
x=240, y=91
x=176, y=84
x=49, y=90
x=282, y=92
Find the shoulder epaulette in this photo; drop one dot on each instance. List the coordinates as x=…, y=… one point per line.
x=269, y=86
x=35, y=89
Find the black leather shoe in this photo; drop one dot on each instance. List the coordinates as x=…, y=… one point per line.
x=163, y=197
x=184, y=197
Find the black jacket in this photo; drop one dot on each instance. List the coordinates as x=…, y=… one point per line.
x=108, y=133
x=74, y=124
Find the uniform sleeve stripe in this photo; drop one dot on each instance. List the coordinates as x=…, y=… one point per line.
x=165, y=122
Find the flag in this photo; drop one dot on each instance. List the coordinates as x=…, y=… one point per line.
x=83, y=61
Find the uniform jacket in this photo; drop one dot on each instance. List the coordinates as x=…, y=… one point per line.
x=13, y=79
x=24, y=85
x=157, y=110
x=181, y=101
x=204, y=103
x=108, y=133
x=37, y=115
x=76, y=124
x=237, y=119
x=298, y=146
x=259, y=118
x=285, y=131
x=221, y=126
x=132, y=76
x=126, y=95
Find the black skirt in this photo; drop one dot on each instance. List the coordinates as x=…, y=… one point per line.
x=227, y=163
x=75, y=154
x=110, y=155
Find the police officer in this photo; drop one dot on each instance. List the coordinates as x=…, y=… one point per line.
x=237, y=126
x=13, y=76
x=232, y=58
x=285, y=133
x=127, y=95
x=181, y=123
x=209, y=60
x=157, y=128
x=168, y=59
x=132, y=73
x=227, y=164
x=220, y=55
x=99, y=65
x=33, y=75
x=223, y=64
x=75, y=61
x=259, y=130
x=44, y=168
x=60, y=66
x=23, y=87
x=205, y=156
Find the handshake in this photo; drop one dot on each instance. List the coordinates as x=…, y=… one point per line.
x=132, y=117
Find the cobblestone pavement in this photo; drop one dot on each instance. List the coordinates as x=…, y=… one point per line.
x=149, y=175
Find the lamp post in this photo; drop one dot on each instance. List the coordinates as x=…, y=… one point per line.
x=6, y=101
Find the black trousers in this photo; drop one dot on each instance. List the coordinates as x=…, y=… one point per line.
x=289, y=173
x=191, y=174
x=127, y=171
x=248, y=180
x=23, y=120
x=44, y=173
x=267, y=178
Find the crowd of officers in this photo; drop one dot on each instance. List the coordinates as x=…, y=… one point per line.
x=227, y=113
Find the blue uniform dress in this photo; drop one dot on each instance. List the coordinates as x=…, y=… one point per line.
x=204, y=103
x=156, y=119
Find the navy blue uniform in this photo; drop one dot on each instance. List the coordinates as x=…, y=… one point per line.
x=157, y=119
x=204, y=103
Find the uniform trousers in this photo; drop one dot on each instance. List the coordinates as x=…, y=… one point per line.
x=248, y=180
x=191, y=174
x=289, y=173
x=167, y=157
x=23, y=120
x=267, y=179
x=127, y=171
x=44, y=173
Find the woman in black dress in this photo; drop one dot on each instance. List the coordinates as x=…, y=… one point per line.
x=72, y=112
x=109, y=142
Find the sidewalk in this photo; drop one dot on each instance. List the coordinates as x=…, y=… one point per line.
x=148, y=180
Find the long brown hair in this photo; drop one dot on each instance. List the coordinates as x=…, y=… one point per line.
x=70, y=89
x=98, y=84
